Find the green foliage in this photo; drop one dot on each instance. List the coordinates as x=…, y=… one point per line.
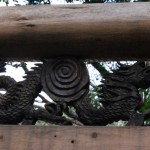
x=38, y=2
x=146, y=104
x=70, y=111
x=93, y=95
x=100, y=67
x=5, y=1
x=19, y=64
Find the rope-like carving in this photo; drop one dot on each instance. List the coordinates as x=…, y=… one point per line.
x=65, y=79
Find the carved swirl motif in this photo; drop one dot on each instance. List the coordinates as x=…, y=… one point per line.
x=65, y=79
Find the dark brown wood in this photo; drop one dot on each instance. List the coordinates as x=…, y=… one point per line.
x=107, y=31
x=73, y=138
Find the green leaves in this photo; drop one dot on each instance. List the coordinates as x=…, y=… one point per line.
x=93, y=95
x=146, y=104
x=19, y=64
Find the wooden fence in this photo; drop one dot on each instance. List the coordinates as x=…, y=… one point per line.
x=105, y=31
x=74, y=138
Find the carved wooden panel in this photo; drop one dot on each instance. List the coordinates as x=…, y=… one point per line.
x=66, y=82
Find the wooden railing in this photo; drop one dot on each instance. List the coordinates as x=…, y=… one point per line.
x=104, y=31
x=73, y=138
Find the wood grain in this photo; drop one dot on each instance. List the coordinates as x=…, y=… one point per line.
x=74, y=138
x=106, y=31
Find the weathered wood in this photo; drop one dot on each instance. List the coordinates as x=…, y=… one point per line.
x=91, y=31
x=73, y=138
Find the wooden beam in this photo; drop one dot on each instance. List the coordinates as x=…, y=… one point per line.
x=106, y=31
x=74, y=138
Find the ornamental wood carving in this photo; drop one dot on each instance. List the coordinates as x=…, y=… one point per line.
x=66, y=81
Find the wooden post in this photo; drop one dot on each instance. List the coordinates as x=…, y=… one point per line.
x=106, y=31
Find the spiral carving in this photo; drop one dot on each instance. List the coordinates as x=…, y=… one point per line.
x=65, y=79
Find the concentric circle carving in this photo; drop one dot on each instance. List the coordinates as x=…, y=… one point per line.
x=65, y=79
